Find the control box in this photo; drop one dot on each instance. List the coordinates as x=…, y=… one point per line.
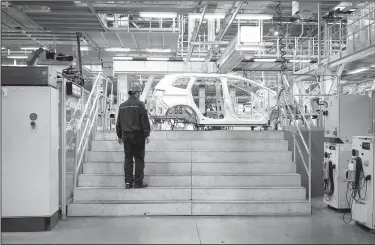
x=335, y=163
x=346, y=116
x=363, y=206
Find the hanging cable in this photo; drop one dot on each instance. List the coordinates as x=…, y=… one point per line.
x=281, y=37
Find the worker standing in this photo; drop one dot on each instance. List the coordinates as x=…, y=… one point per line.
x=133, y=129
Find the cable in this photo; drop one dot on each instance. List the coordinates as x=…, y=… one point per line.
x=281, y=36
x=329, y=184
x=355, y=187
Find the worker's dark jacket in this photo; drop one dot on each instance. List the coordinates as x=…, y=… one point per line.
x=132, y=117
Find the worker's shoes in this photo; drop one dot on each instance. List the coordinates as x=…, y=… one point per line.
x=140, y=185
x=128, y=185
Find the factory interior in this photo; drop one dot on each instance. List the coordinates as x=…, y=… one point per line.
x=261, y=114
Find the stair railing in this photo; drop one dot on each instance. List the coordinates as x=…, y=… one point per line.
x=296, y=132
x=87, y=124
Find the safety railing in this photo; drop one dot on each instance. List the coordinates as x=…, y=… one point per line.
x=87, y=125
x=338, y=39
x=287, y=101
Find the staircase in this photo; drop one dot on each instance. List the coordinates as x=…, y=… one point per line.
x=194, y=173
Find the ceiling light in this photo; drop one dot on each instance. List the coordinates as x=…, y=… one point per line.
x=2, y=48
x=352, y=10
x=208, y=16
x=156, y=50
x=31, y=48
x=157, y=15
x=254, y=16
x=359, y=70
x=197, y=59
x=373, y=66
x=161, y=59
x=122, y=58
x=17, y=57
x=276, y=33
x=300, y=61
x=84, y=48
x=118, y=49
x=264, y=60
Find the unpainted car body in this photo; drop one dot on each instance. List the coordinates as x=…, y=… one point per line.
x=168, y=100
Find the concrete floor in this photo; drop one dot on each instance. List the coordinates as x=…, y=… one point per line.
x=324, y=226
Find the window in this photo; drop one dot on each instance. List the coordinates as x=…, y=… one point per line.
x=181, y=82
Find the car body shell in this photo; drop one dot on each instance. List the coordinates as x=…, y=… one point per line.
x=166, y=97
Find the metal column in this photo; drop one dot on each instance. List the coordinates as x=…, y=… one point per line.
x=63, y=150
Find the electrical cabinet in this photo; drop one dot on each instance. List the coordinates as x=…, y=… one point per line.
x=346, y=116
x=30, y=141
x=361, y=175
x=336, y=157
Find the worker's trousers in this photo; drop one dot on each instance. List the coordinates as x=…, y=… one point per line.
x=134, y=147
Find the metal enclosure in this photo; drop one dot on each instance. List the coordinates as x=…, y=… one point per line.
x=363, y=210
x=339, y=155
x=348, y=115
x=30, y=140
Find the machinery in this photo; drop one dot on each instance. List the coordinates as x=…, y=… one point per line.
x=30, y=141
x=341, y=117
x=360, y=176
x=341, y=114
x=334, y=182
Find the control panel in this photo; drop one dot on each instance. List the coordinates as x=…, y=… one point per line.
x=334, y=182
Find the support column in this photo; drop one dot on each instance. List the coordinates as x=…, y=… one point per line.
x=232, y=94
x=202, y=98
x=148, y=99
x=123, y=85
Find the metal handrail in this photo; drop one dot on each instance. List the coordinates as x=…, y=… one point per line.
x=296, y=143
x=84, y=127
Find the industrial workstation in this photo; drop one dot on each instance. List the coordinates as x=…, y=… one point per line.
x=248, y=122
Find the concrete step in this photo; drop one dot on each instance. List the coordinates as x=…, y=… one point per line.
x=255, y=180
x=183, y=156
x=204, y=135
x=105, y=208
x=199, y=145
x=194, y=193
x=121, y=194
x=94, y=180
x=194, y=168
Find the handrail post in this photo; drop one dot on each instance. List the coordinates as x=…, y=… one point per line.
x=310, y=156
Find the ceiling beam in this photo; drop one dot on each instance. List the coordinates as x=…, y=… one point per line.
x=195, y=32
x=229, y=17
x=89, y=5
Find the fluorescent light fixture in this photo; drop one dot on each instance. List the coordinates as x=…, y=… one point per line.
x=373, y=66
x=118, y=49
x=254, y=17
x=122, y=58
x=197, y=59
x=238, y=17
x=31, y=48
x=208, y=16
x=264, y=60
x=84, y=48
x=352, y=10
x=2, y=48
x=160, y=58
x=358, y=70
x=17, y=57
x=300, y=61
x=157, y=50
x=157, y=15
